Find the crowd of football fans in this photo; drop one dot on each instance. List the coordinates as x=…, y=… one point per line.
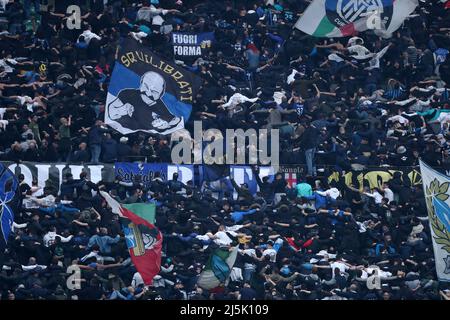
x=344, y=103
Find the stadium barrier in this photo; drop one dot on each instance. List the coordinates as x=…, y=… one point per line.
x=46, y=174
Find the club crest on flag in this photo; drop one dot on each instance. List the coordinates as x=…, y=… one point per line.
x=343, y=12
x=139, y=241
x=436, y=197
x=341, y=18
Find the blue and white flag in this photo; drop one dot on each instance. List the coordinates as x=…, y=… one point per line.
x=9, y=201
x=147, y=93
x=213, y=172
x=437, y=194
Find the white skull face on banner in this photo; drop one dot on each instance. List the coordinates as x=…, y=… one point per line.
x=152, y=85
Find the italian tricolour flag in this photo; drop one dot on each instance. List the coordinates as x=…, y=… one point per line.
x=346, y=17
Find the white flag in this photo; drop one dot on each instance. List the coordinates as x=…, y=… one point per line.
x=342, y=18
x=437, y=196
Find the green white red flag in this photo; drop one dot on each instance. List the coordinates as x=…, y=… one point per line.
x=144, y=240
x=341, y=18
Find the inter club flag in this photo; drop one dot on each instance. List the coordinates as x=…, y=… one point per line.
x=341, y=18
x=147, y=93
x=9, y=201
x=144, y=240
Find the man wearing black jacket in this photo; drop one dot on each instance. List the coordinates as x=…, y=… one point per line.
x=95, y=136
x=265, y=187
x=244, y=195
x=309, y=144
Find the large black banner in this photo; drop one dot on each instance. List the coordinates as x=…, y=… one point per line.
x=147, y=93
x=370, y=177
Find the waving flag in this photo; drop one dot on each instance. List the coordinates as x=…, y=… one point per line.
x=147, y=93
x=9, y=200
x=144, y=240
x=341, y=18
x=218, y=268
x=214, y=172
x=447, y=5
x=437, y=194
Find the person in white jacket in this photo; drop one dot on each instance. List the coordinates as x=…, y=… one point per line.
x=153, y=14
x=32, y=264
x=137, y=280
x=88, y=35
x=49, y=237
x=332, y=192
x=221, y=237
x=16, y=226
x=138, y=36
x=237, y=99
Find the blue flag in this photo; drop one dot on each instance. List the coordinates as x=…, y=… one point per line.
x=140, y=172
x=213, y=172
x=147, y=93
x=9, y=201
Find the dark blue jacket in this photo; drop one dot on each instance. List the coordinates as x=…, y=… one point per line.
x=109, y=149
x=96, y=135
